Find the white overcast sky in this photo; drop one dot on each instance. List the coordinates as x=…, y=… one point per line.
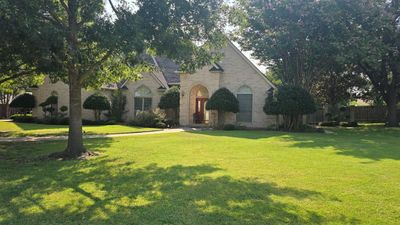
x=262, y=68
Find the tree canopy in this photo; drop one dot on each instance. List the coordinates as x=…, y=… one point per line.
x=79, y=43
x=327, y=47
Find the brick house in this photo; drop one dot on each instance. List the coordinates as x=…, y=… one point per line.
x=235, y=72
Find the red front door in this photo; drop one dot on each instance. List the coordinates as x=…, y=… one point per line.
x=200, y=109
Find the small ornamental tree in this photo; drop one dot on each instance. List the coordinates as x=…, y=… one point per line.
x=52, y=102
x=170, y=100
x=97, y=103
x=223, y=101
x=25, y=102
x=118, y=103
x=292, y=103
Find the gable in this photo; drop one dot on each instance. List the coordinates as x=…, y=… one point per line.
x=237, y=58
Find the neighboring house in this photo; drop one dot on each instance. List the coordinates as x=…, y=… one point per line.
x=235, y=72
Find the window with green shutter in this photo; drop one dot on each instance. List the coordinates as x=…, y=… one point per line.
x=245, y=98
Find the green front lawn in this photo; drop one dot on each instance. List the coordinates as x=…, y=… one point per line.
x=11, y=129
x=208, y=177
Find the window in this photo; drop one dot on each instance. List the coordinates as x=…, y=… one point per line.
x=245, y=98
x=143, y=99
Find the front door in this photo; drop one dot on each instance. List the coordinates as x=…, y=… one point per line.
x=200, y=110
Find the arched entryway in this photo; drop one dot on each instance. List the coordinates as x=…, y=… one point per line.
x=198, y=99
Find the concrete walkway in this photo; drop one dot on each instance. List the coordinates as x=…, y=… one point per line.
x=56, y=138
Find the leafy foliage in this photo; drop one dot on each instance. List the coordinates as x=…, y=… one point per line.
x=374, y=26
x=97, y=103
x=118, y=103
x=223, y=100
x=153, y=119
x=64, y=108
x=292, y=37
x=51, y=100
x=26, y=101
x=327, y=47
x=79, y=43
x=292, y=102
x=23, y=118
x=170, y=99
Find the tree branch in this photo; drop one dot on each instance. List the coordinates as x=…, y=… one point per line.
x=17, y=75
x=64, y=5
x=95, y=66
x=113, y=7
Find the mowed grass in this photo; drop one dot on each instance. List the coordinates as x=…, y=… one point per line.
x=11, y=129
x=208, y=177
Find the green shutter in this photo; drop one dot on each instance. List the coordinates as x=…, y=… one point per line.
x=245, y=108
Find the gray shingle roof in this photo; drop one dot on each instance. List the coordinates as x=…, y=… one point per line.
x=169, y=69
x=167, y=66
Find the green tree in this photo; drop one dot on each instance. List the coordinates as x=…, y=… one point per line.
x=223, y=101
x=292, y=102
x=118, y=103
x=170, y=100
x=292, y=37
x=374, y=30
x=97, y=103
x=77, y=42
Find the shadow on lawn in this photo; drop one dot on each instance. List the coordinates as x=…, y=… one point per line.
x=374, y=143
x=38, y=126
x=113, y=191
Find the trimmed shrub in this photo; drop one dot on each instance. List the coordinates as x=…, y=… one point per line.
x=292, y=103
x=54, y=120
x=97, y=103
x=170, y=99
x=149, y=119
x=23, y=118
x=97, y=122
x=349, y=124
x=25, y=102
x=329, y=124
x=223, y=101
x=171, y=123
x=229, y=127
x=64, y=108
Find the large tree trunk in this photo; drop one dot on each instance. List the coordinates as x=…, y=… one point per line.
x=75, y=140
x=392, y=110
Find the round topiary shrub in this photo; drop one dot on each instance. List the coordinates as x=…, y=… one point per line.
x=291, y=102
x=64, y=108
x=25, y=102
x=97, y=103
x=223, y=101
x=170, y=99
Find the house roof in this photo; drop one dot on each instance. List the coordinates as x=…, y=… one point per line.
x=169, y=69
x=216, y=68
